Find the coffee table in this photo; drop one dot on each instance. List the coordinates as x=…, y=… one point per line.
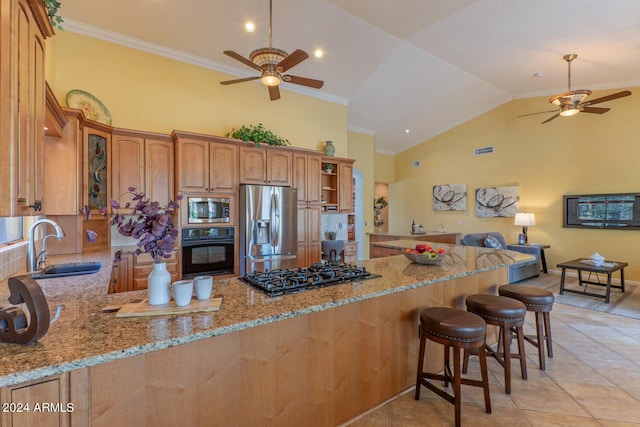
x=580, y=266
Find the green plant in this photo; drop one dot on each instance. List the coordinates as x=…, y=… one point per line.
x=381, y=201
x=328, y=167
x=257, y=134
x=52, y=10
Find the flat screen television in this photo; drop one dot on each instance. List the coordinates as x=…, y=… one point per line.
x=617, y=211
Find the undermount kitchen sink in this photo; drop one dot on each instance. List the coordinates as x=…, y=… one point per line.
x=66, y=270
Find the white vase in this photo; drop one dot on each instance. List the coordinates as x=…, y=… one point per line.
x=158, y=284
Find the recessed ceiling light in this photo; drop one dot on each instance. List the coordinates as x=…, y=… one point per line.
x=538, y=74
x=407, y=131
x=318, y=53
x=249, y=27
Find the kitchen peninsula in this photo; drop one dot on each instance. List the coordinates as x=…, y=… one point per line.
x=376, y=251
x=317, y=357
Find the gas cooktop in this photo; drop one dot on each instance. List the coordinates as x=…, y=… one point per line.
x=280, y=282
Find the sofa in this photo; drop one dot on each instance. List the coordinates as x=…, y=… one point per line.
x=493, y=239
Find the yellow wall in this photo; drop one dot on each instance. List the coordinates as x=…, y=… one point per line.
x=583, y=154
x=385, y=168
x=361, y=148
x=148, y=92
x=587, y=153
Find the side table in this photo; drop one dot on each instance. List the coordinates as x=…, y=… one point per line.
x=580, y=266
x=542, y=247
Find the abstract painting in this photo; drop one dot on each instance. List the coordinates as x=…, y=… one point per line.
x=450, y=197
x=497, y=201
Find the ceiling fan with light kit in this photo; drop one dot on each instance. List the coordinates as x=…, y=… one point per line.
x=573, y=102
x=272, y=63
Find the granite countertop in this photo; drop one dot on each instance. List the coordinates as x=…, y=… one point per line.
x=406, y=244
x=409, y=234
x=81, y=335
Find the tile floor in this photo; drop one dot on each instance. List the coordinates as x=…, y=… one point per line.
x=593, y=380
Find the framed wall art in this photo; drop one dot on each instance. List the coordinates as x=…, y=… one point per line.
x=497, y=201
x=450, y=197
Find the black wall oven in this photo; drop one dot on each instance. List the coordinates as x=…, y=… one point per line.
x=207, y=251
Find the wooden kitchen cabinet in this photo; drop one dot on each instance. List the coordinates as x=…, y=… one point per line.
x=351, y=252
x=96, y=159
x=127, y=167
x=144, y=161
x=309, y=235
x=337, y=185
x=205, y=164
x=131, y=271
x=266, y=166
x=122, y=274
x=345, y=189
x=306, y=179
x=25, y=25
x=63, y=167
x=54, y=391
x=143, y=264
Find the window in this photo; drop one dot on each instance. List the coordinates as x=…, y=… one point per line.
x=10, y=229
x=618, y=211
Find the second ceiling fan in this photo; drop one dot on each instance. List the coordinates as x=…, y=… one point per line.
x=272, y=63
x=573, y=101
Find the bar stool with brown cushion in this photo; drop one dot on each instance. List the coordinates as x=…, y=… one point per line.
x=539, y=301
x=457, y=329
x=508, y=314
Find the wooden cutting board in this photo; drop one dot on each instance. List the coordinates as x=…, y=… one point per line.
x=142, y=308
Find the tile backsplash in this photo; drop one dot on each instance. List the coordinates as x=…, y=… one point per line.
x=13, y=259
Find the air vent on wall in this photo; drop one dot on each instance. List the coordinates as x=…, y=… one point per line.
x=483, y=150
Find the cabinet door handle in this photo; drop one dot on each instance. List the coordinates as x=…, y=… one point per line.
x=37, y=205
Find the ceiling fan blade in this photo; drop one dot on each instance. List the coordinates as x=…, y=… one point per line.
x=242, y=59
x=316, y=84
x=293, y=59
x=608, y=97
x=595, y=110
x=539, y=112
x=274, y=93
x=246, y=79
x=550, y=118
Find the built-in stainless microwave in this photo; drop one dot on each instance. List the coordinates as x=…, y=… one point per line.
x=207, y=210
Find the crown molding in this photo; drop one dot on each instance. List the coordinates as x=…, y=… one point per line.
x=133, y=43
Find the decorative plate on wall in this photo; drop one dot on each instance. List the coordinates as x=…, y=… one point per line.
x=91, y=106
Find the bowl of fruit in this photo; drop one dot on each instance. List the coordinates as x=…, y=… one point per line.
x=425, y=254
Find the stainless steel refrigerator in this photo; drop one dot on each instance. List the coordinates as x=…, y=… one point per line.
x=268, y=228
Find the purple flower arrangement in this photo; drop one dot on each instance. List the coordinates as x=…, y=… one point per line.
x=149, y=222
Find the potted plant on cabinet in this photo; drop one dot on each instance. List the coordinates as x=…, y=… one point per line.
x=52, y=7
x=328, y=167
x=257, y=134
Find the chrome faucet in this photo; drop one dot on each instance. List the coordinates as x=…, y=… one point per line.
x=36, y=262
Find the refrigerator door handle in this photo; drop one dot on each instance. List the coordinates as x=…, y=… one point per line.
x=279, y=257
x=275, y=220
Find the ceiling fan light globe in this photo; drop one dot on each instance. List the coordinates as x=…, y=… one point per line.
x=269, y=79
x=569, y=112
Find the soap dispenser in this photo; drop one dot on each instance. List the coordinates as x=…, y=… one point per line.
x=413, y=226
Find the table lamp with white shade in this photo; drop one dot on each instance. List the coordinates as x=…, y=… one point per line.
x=525, y=220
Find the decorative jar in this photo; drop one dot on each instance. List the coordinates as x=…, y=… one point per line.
x=329, y=148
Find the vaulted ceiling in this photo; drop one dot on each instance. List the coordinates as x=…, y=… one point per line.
x=422, y=65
